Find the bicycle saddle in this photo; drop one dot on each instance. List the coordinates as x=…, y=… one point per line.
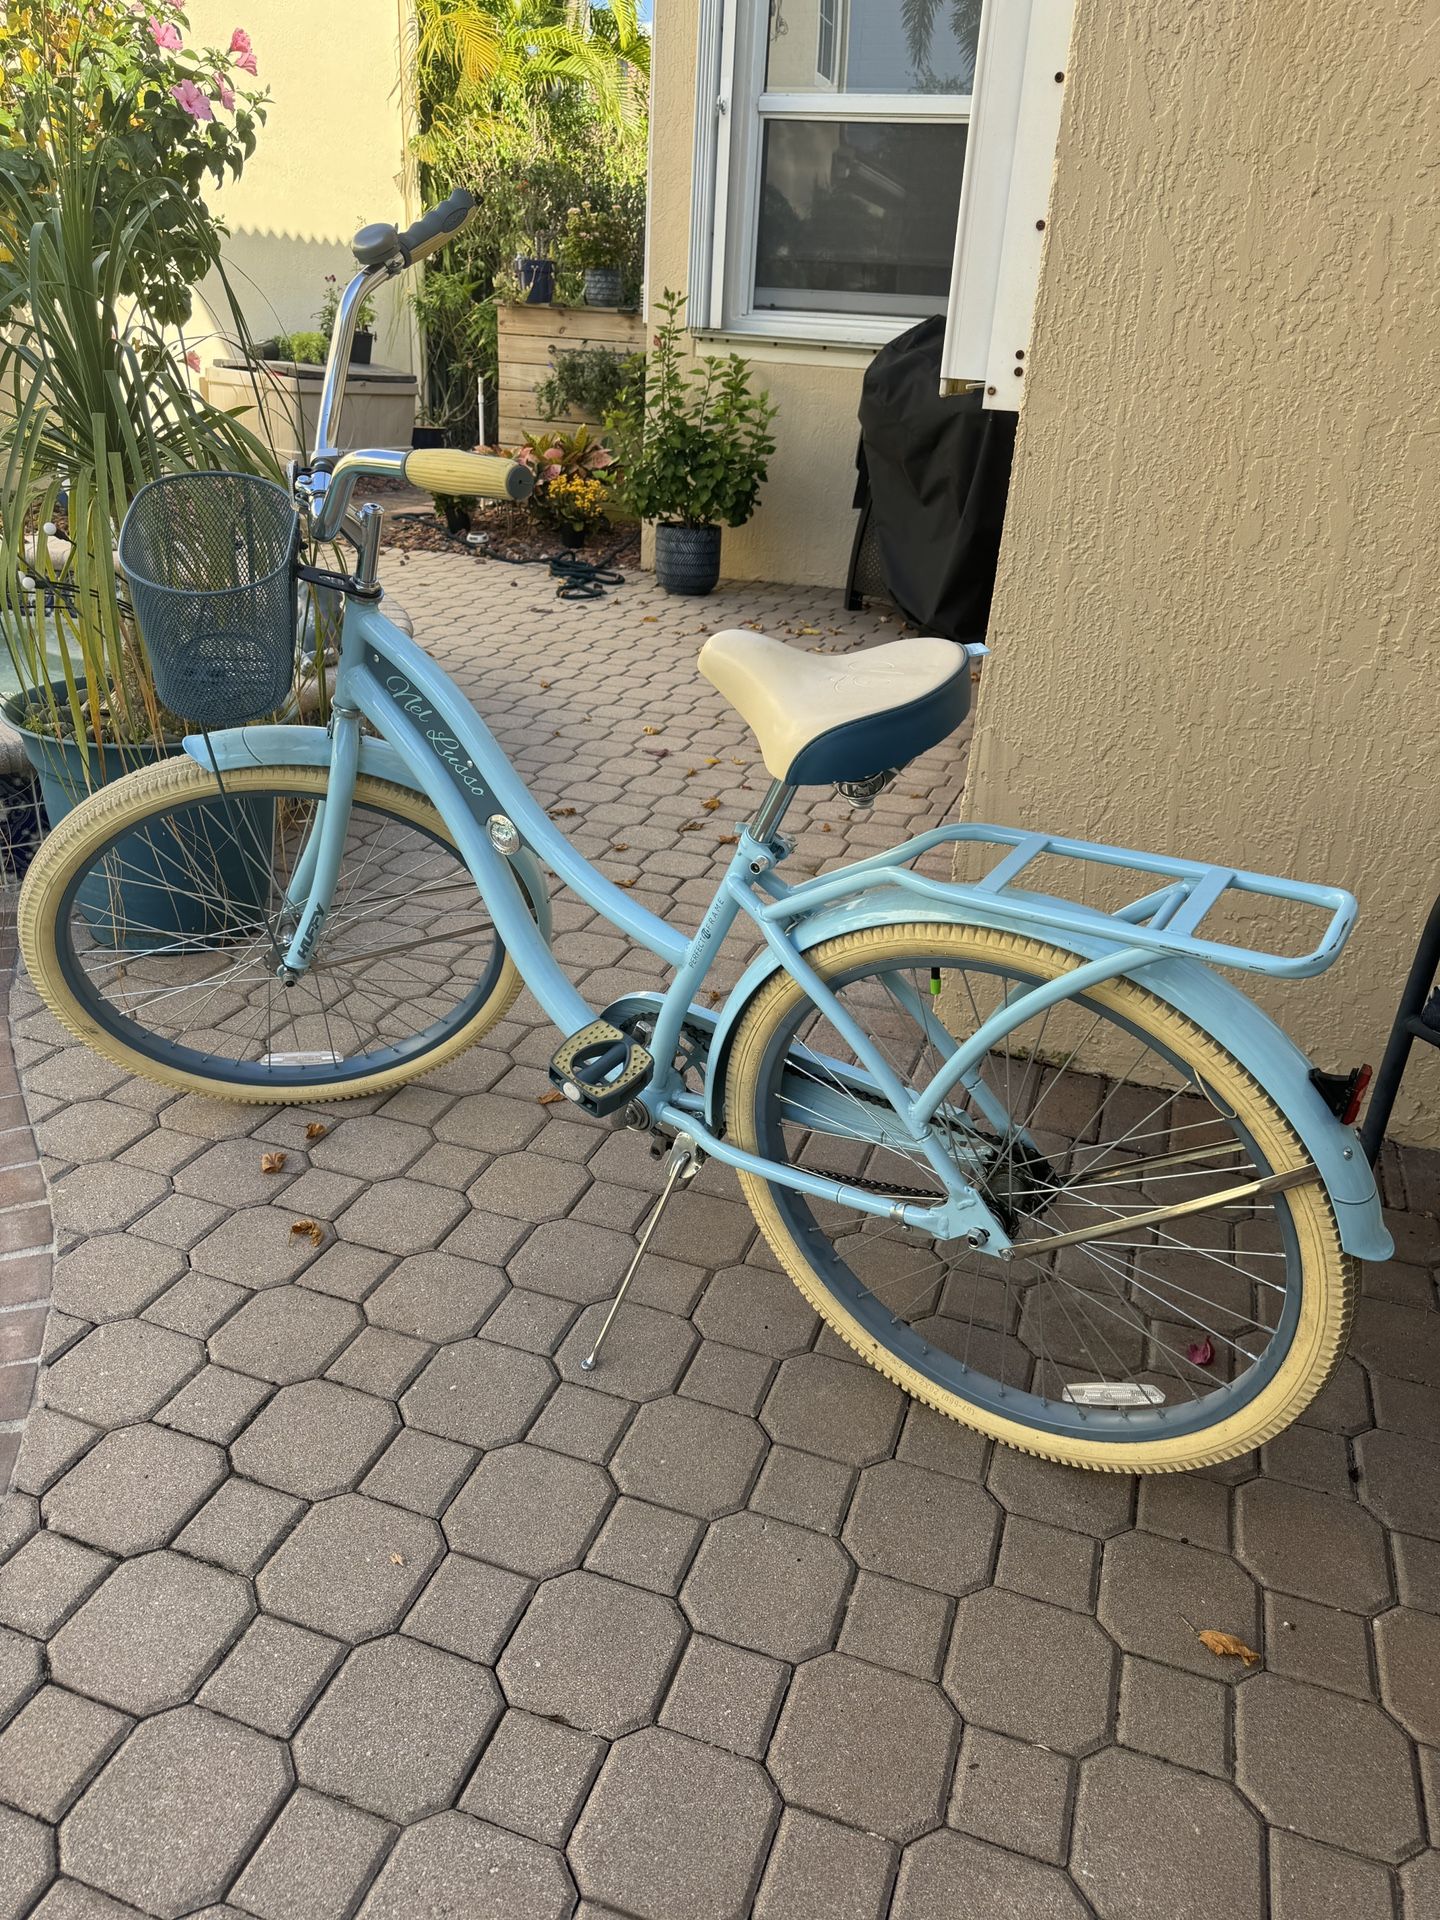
x=822, y=717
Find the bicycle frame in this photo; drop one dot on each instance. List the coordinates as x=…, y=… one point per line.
x=386, y=679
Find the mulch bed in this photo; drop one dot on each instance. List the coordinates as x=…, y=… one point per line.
x=510, y=533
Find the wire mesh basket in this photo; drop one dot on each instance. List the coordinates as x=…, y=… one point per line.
x=209, y=560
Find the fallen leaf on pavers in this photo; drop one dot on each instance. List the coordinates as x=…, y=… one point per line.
x=562, y=813
x=650, y=729
x=619, y=846
x=712, y=996
x=1200, y=1353
x=1227, y=1646
x=312, y=1230
x=657, y=753
x=625, y=883
x=712, y=761
x=711, y=804
x=728, y=840
x=807, y=631
x=316, y=1130
x=544, y=686
x=690, y=772
x=689, y=826
x=549, y=1099
x=397, y=1559
x=825, y=827
x=648, y=619
x=272, y=1163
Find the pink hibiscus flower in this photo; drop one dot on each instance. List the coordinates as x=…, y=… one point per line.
x=189, y=96
x=166, y=35
x=241, y=51
x=223, y=89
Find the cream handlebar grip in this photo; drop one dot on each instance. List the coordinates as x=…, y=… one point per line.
x=490, y=476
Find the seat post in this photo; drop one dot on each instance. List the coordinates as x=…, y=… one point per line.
x=772, y=810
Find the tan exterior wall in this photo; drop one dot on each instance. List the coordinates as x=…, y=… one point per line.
x=330, y=158
x=805, y=523
x=1215, y=630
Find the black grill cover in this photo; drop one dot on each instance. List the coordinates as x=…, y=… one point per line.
x=938, y=470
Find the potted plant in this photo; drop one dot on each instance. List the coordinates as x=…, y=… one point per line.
x=693, y=444
x=97, y=392
x=427, y=431
x=535, y=267
x=575, y=506
x=597, y=239
x=364, y=337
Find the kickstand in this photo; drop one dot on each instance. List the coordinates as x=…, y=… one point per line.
x=682, y=1163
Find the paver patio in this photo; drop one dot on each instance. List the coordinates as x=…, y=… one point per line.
x=330, y=1584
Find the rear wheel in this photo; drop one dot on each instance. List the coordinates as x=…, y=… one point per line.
x=154, y=917
x=1143, y=1349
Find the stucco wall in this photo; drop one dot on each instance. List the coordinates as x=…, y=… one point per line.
x=1215, y=630
x=329, y=159
x=805, y=523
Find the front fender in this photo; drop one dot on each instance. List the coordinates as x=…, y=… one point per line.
x=1265, y=1051
x=298, y=746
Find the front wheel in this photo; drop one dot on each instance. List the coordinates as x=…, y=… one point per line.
x=1144, y=1349
x=154, y=918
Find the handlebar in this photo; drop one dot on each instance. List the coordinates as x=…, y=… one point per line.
x=382, y=248
x=488, y=476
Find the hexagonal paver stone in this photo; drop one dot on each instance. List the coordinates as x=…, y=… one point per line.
x=865, y=1746
x=398, y=1728
x=255, y=1248
x=113, y=1276
x=816, y=1867
x=401, y=1216
x=529, y=1186
x=1094, y=1503
x=1310, y=1882
x=764, y=1584
x=315, y=1439
x=352, y=1567
x=1420, y=1885
x=529, y=1510
x=832, y=1407
x=452, y=1864
x=1401, y=1341
x=104, y=1195
x=1321, y=1764
x=949, y=1875
x=151, y=1634
x=52, y=1747
x=645, y=1356
x=1400, y=1480
x=1150, y=1588
x=436, y=1296
x=316, y=1859
x=121, y=1372
x=1407, y=1648
x=21, y=1671
x=491, y=1122
x=1022, y=1667
x=27, y=1860
x=367, y=1147
x=285, y=1334
x=926, y=1528
x=1320, y=1545
x=173, y=1814
x=593, y=1653
x=1152, y=1839
x=534, y=1777
x=752, y=1307
x=479, y=1394
x=684, y=1454
x=674, y=1828
x=135, y=1490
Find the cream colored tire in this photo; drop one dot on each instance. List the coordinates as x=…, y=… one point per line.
x=1327, y=1275
x=151, y=792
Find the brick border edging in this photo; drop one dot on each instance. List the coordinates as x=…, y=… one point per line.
x=26, y=1234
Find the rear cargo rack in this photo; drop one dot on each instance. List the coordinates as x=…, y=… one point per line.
x=1167, y=919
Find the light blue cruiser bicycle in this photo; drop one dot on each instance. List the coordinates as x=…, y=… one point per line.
x=1037, y=1162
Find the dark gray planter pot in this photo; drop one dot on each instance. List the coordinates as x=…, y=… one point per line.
x=604, y=286
x=687, y=559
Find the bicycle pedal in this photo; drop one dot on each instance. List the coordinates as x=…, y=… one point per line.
x=600, y=1068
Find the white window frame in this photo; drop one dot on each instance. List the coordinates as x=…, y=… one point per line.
x=732, y=109
x=1004, y=224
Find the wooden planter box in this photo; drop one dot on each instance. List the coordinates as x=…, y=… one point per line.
x=526, y=335
x=379, y=409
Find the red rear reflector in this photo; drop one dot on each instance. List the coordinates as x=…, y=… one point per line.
x=1357, y=1096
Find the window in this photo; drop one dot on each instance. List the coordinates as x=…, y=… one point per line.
x=862, y=163
x=831, y=138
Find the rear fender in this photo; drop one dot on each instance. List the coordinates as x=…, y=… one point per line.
x=297, y=746
x=1265, y=1051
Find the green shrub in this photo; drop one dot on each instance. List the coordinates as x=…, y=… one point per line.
x=592, y=381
